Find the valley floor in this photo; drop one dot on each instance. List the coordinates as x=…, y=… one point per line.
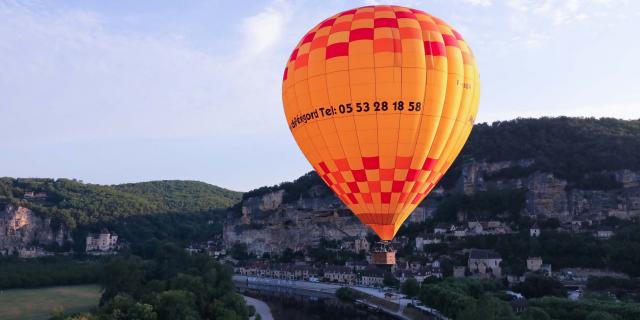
x=37, y=304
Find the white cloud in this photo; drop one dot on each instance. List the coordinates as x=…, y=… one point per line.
x=264, y=29
x=481, y=3
x=66, y=76
x=564, y=11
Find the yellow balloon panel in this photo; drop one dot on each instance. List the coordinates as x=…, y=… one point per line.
x=381, y=100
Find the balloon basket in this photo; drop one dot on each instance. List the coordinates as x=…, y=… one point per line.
x=383, y=254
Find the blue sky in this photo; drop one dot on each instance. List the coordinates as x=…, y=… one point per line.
x=113, y=91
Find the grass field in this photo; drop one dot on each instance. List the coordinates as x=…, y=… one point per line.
x=37, y=304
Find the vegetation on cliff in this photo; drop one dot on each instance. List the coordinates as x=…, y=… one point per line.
x=75, y=203
x=579, y=150
x=567, y=147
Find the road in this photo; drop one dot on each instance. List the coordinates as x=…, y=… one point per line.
x=331, y=288
x=261, y=307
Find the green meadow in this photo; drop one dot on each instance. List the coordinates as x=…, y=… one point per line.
x=37, y=304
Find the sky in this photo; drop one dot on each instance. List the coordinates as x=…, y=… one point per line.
x=112, y=92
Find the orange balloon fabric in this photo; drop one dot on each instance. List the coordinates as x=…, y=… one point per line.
x=381, y=100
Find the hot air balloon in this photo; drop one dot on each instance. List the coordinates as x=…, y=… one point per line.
x=381, y=99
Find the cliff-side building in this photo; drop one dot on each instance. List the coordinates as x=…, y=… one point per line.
x=103, y=241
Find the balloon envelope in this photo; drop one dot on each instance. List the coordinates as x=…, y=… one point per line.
x=381, y=100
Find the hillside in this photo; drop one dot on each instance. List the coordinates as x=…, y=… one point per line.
x=568, y=170
x=580, y=150
x=75, y=203
x=571, y=148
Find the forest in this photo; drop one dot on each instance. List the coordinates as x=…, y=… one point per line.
x=580, y=150
x=75, y=203
x=166, y=283
x=471, y=299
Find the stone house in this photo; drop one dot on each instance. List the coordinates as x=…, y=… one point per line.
x=534, y=263
x=371, y=277
x=484, y=263
x=103, y=241
x=426, y=240
x=339, y=274
x=604, y=233
x=459, y=271
x=460, y=231
x=361, y=244
x=534, y=231
x=442, y=228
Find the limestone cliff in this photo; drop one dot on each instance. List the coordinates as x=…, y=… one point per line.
x=20, y=228
x=268, y=223
x=551, y=196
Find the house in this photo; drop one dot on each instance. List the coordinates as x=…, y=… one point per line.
x=475, y=227
x=485, y=263
x=32, y=252
x=193, y=249
x=35, y=195
x=426, y=240
x=371, y=277
x=514, y=279
x=357, y=265
x=339, y=274
x=103, y=241
x=545, y=269
x=459, y=271
x=604, y=233
x=414, y=266
x=534, y=263
x=441, y=228
x=534, y=231
x=460, y=231
x=348, y=244
x=361, y=244
x=419, y=215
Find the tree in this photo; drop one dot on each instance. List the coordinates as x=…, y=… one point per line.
x=124, y=307
x=411, y=287
x=599, y=315
x=122, y=275
x=176, y=305
x=539, y=286
x=487, y=308
x=347, y=294
x=389, y=280
x=239, y=251
x=535, y=313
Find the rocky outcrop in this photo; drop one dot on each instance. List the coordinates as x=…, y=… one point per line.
x=294, y=225
x=271, y=224
x=20, y=228
x=552, y=197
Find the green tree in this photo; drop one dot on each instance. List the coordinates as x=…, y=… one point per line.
x=411, y=287
x=124, y=307
x=122, y=275
x=599, y=315
x=539, y=286
x=389, y=280
x=535, y=313
x=176, y=305
x=487, y=308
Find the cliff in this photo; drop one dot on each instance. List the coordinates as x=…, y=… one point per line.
x=21, y=228
x=569, y=169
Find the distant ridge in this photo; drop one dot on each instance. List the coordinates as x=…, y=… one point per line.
x=76, y=203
